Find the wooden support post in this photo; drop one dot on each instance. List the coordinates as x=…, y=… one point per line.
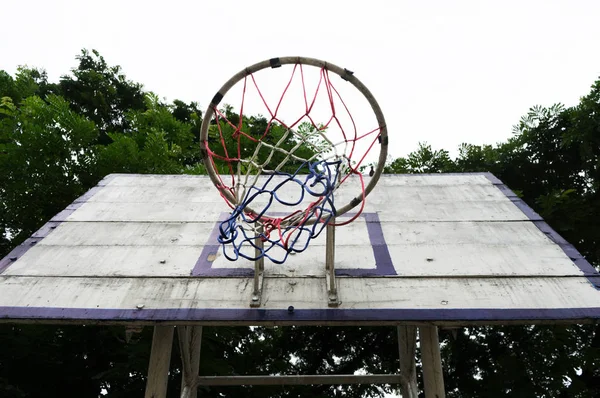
x=160, y=361
x=407, y=344
x=190, y=342
x=433, y=377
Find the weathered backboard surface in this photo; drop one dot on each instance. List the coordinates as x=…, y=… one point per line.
x=445, y=248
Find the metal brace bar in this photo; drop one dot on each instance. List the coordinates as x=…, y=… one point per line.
x=259, y=268
x=332, y=291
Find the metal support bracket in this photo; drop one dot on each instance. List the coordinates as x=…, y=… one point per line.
x=259, y=270
x=333, y=299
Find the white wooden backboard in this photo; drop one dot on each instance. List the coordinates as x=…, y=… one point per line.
x=444, y=248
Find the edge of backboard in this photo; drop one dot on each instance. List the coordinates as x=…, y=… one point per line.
x=588, y=270
x=54, y=222
x=257, y=316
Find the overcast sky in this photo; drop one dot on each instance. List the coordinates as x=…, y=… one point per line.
x=444, y=72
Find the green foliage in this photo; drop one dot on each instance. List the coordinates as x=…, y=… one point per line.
x=47, y=161
x=423, y=160
x=102, y=93
x=156, y=142
x=58, y=140
x=27, y=82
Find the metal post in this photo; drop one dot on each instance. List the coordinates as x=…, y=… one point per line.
x=259, y=267
x=160, y=361
x=407, y=346
x=432, y=362
x=190, y=342
x=332, y=292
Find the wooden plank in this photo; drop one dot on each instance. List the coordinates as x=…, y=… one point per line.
x=481, y=260
x=198, y=212
x=424, y=260
x=194, y=198
x=106, y=261
x=395, y=233
x=129, y=234
x=433, y=376
x=385, y=180
x=434, y=179
x=160, y=360
x=443, y=295
x=416, y=249
x=493, y=233
x=203, y=191
x=414, y=260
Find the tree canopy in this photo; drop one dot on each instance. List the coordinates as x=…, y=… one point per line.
x=57, y=140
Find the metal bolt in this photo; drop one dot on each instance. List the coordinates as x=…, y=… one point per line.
x=444, y=302
x=254, y=298
x=139, y=306
x=163, y=261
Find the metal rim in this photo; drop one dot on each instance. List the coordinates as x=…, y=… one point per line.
x=276, y=62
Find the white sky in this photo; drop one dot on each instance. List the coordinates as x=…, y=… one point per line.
x=444, y=72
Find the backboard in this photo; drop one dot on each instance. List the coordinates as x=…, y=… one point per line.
x=444, y=248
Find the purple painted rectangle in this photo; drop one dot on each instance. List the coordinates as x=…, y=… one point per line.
x=383, y=260
x=299, y=315
x=570, y=251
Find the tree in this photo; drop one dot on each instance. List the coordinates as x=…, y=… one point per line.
x=551, y=162
x=58, y=140
x=156, y=142
x=47, y=161
x=102, y=93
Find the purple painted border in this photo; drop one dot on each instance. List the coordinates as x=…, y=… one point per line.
x=383, y=260
x=256, y=315
x=51, y=225
x=588, y=270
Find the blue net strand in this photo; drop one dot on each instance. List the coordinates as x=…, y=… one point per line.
x=290, y=234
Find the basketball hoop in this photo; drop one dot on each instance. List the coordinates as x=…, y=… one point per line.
x=297, y=163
